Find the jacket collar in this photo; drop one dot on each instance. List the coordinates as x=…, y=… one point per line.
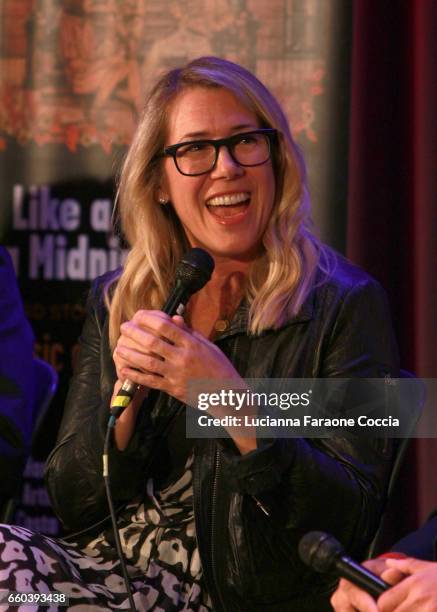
x=239, y=323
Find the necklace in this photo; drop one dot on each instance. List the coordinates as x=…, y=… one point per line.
x=221, y=324
x=206, y=318
x=223, y=321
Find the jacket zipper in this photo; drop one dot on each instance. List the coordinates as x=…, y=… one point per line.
x=211, y=535
x=213, y=517
x=208, y=561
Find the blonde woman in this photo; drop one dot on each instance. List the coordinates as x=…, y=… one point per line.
x=213, y=524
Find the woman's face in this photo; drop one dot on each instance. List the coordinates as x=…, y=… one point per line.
x=234, y=228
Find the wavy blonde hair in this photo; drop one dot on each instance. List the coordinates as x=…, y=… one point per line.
x=281, y=278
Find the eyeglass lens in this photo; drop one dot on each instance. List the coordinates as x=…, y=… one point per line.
x=246, y=150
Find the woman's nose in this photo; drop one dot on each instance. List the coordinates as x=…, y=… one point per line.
x=226, y=166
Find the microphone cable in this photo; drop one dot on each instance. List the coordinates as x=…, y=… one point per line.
x=126, y=579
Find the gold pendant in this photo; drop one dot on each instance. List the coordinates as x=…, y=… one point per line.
x=221, y=325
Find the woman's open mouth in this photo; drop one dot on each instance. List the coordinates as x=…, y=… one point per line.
x=231, y=206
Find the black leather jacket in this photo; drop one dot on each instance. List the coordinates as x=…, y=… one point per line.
x=249, y=558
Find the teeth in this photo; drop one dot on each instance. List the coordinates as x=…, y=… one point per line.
x=228, y=200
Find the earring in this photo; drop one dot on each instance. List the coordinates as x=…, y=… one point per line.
x=162, y=201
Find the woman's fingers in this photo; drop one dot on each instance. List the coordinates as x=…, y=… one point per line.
x=140, y=348
x=140, y=361
x=161, y=325
x=160, y=352
x=133, y=336
x=180, y=322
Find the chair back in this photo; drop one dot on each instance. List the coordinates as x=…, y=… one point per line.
x=400, y=447
x=46, y=382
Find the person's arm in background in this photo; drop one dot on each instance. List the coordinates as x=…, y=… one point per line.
x=414, y=579
x=16, y=380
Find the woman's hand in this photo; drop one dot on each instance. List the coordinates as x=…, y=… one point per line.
x=160, y=352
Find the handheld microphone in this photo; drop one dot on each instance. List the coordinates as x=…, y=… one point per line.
x=323, y=553
x=192, y=273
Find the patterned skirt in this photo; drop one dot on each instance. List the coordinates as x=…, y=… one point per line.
x=159, y=543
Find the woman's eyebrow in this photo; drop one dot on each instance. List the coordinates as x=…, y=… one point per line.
x=206, y=135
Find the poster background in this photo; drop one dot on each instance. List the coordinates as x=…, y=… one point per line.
x=73, y=74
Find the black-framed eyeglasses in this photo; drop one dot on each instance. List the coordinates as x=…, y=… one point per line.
x=196, y=157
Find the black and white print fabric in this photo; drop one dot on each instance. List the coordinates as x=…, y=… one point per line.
x=158, y=540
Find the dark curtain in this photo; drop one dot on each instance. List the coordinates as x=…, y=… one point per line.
x=392, y=211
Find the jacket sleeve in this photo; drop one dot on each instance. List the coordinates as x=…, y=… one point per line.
x=74, y=468
x=336, y=485
x=421, y=543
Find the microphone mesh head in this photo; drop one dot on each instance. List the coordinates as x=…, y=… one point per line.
x=320, y=551
x=195, y=269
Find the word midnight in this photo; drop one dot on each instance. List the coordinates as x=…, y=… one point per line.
x=51, y=257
